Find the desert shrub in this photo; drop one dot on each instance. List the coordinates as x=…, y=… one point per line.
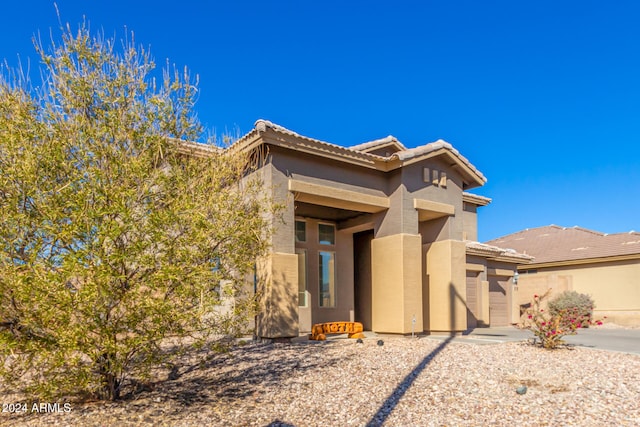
x=550, y=327
x=582, y=304
x=114, y=232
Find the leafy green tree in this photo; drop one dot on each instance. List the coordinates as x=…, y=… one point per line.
x=116, y=234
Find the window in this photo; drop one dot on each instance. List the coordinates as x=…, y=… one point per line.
x=301, y=231
x=326, y=234
x=302, y=277
x=327, y=279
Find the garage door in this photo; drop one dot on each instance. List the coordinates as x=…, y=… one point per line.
x=498, y=307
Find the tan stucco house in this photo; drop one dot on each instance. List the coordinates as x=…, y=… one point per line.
x=376, y=233
x=605, y=266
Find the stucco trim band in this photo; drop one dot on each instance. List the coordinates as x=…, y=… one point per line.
x=428, y=209
x=337, y=197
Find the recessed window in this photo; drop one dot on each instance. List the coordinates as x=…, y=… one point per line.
x=327, y=279
x=301, y=231
x=326, y=234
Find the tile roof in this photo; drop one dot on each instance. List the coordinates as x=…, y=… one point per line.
x=553, y=243
x=435, y=146
x=491, y=251
x=371, y=145
x=403, y=155
x=262, y=125
x=475, y=199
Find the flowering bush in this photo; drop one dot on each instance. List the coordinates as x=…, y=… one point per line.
x=550, y=327
x=573, y=300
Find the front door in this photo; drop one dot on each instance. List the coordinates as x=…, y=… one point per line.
x=362, y=277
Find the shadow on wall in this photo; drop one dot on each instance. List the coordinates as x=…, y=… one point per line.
x=278, y=316
x=392, y=401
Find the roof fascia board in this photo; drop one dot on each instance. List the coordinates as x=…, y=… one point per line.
x=493, y=256
x=475, y=199
x=583, y=261
x=495, y=253
x=510, y=259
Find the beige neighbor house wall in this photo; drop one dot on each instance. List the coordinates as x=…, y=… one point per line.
x=605, y=266
x=614, y=286
x=401, y=217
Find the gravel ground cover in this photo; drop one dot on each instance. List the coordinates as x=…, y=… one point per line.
x=404, y=382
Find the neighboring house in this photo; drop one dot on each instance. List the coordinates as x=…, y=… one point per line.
x=605, y=266
x=376, y=233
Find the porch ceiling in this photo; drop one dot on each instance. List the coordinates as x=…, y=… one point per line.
x=327, y=213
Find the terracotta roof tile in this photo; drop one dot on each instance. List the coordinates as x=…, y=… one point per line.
x=483, y=249
x=361, y=151
x=434, y=146
x=367, y=146
x=553, y=243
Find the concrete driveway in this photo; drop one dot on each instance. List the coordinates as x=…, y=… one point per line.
x=611, y=339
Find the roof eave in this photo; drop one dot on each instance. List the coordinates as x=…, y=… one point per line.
x=475, y=199
x=599, y=260
x=474, y=178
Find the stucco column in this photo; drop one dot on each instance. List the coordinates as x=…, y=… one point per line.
x=513, y=302
x=483, y=298
x=396, y=284
x=278, y=277
x=277, y=272
x=445, y=283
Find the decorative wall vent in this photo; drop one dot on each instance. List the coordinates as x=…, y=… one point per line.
x=435, y=177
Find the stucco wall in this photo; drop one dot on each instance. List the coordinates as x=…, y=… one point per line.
x=413, y=179
x=470, y=222
x=614, y=286
x=408, y=279
x=278, y=275
x=319, y=170
x=397, y=284
x=445, y=283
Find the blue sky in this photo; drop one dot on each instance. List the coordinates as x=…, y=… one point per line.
x=542, y=97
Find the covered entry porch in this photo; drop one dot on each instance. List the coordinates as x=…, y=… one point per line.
x=333, y=233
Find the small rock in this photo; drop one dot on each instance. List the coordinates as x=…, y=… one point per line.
x=522, y=389
x=380, y=343
x=359, y=341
